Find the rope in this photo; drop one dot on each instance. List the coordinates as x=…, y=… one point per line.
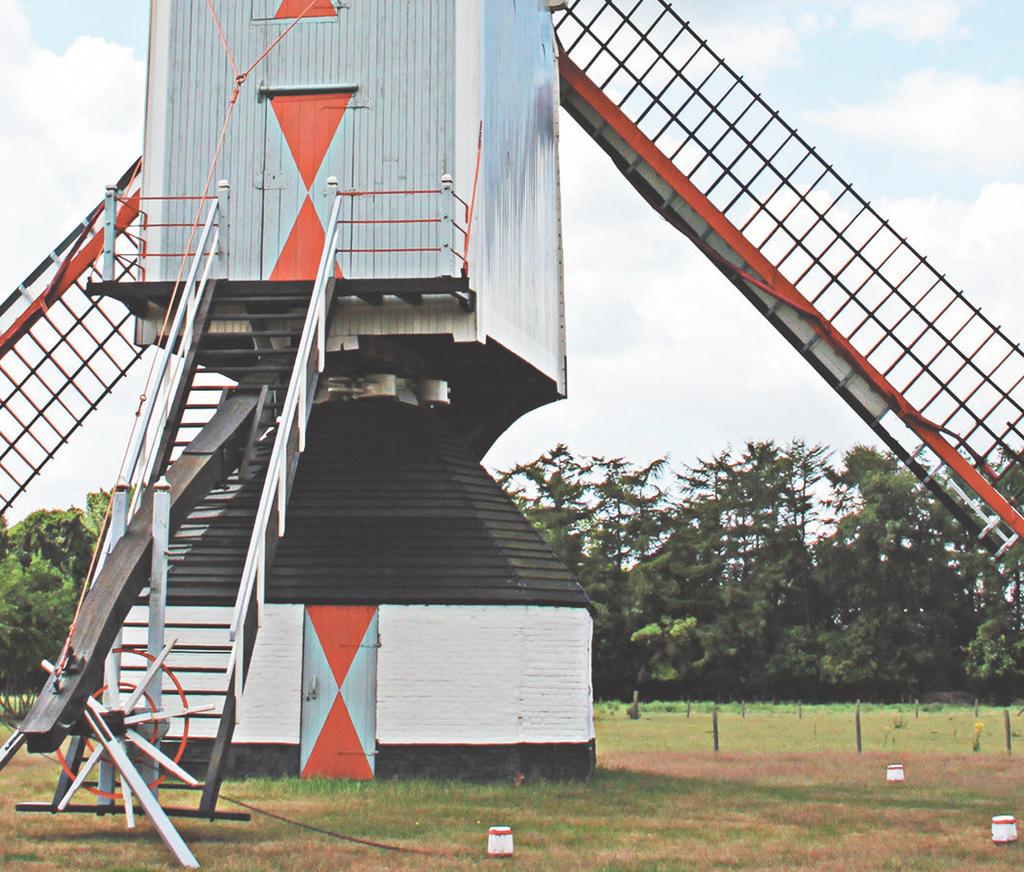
x=341, y=837
x=277, y=41
x=384, y=846
x=223, y=38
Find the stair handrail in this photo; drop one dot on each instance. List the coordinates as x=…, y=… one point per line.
x=143, y=451
x=295, y=413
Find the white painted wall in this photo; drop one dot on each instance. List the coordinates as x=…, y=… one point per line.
x=446, y=674
x=484, y=675
x=272, y=702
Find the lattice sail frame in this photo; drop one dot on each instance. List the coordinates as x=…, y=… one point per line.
x=61, y=350
x=937, y=380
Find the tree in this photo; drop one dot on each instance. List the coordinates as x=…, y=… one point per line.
x=44, y=559
x=746, y=522
x=995, y=656
x=769, y=571
x=36, y=605
x=902, y=582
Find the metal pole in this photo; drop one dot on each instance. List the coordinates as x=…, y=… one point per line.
x=446, y=267
x=856, y=721
x=109, y=231
x=112, y=664
x=158, y=598
x=223, y=224
x=714, y=725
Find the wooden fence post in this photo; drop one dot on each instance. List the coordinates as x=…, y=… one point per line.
x=1009, y=734
x=743, y=709
x=917, y=708
x=687, y=710
x=800, y=709
x=633, y=712
x=975, y=708
x=856, y=720
x=714, y=725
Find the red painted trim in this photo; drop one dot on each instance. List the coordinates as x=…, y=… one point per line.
x=774, y=283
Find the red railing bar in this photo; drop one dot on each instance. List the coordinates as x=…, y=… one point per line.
x=391, y=221
x=385, y=250
x=184, y=197
x=410, y=192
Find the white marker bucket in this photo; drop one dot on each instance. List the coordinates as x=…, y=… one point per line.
x=894, y=773
x=1004, y=829
x=499, y=842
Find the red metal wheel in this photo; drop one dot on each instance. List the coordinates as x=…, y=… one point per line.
x=126, y=687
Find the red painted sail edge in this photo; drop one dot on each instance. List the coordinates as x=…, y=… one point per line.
x=780, y=287
x=76, y=267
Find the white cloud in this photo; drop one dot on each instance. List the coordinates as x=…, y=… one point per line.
x=953, y=118
x=758, y=38
x=757, y=48
x=72, y=123
x=910, y=20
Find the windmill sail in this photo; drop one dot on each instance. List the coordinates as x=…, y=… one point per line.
x=61, y=350
x=937, y=381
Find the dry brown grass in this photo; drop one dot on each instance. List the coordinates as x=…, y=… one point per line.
x=646, y=809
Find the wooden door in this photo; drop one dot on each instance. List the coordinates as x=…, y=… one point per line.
x=339, y=692
x=307, y=142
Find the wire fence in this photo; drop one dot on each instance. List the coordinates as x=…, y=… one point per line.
x=760, y=727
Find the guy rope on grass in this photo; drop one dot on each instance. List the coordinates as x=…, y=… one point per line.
x=384, y=846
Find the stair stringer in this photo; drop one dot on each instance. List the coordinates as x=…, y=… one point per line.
x=208, y=460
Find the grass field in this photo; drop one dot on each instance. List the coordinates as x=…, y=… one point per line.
x=784, y=793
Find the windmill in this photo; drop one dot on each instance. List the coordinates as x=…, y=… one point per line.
x=340, y=328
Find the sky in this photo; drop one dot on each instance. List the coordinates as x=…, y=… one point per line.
x=920, y=103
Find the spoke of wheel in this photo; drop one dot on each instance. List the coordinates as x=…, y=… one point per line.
x=161, y=758
x=154, y=667
x=154, y=717
x=129, y=811
x=157, y=816
x=83, y=773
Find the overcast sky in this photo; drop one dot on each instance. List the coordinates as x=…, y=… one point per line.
x=919, y=102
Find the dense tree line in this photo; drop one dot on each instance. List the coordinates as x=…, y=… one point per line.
x=772, y=571
x=769, y=571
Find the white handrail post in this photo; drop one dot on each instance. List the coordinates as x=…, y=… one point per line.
x=109, y=231
x=332, y=246
x=239, y=665
x=261, y=577
x=112, y=663
x=282, y=491
x=158, y=598
x=447, y=228
x=223, y=225
x=301, y=415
